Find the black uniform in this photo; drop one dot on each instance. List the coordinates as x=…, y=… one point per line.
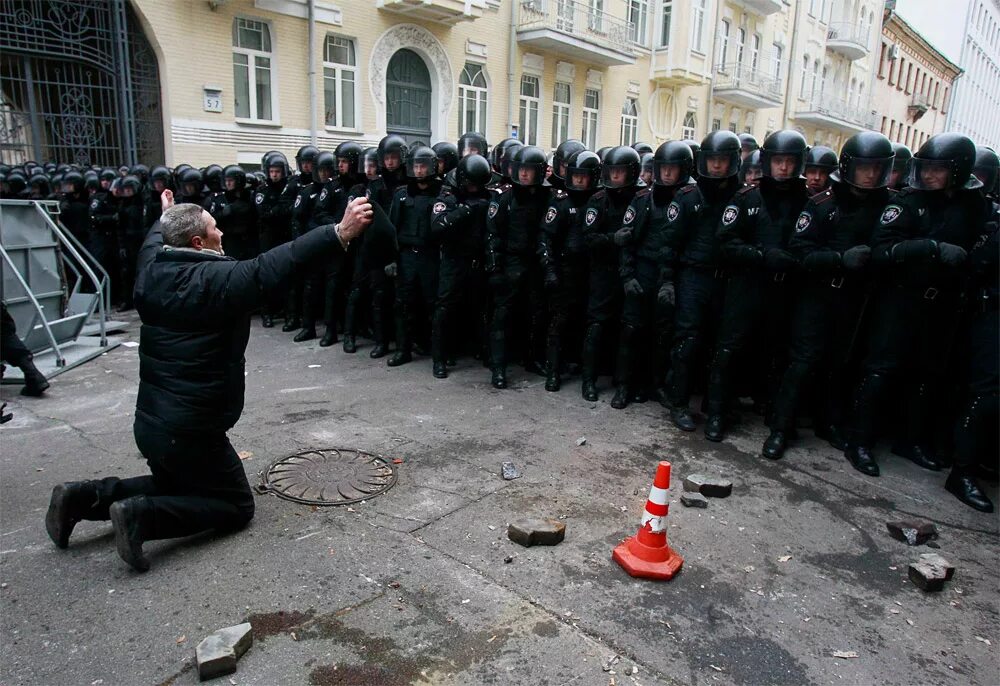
x=234, y=215
x=327, y=280
x=131, y=232
x=305, y=190
x=381, y=191
x=274, y=213
x=103, y=238
x=360, y=288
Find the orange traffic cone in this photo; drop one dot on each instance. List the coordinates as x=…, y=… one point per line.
x=647, y=554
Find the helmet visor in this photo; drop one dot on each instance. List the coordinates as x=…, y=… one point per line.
x=931, y=175
x=581, y=178
x=783, y=166
x=669, y=173
x=619, y=175
x=422, y=167
x=867, y=172
x=527, y=173
x=718, y=165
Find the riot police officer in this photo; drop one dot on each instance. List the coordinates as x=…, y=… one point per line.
x=233, y=210
x=159, y=181
x=274, y=211
x=560, y=159
x=74, y=206
x=564, y=258
x=472, y=143
x=748, y=146
x=900, y=166
x=131, y=232
x=923, y=240
x=360, y=292
x=192, y=187
x=754, y=233
x=299, y=194
x=821, y=161
x=603, y=216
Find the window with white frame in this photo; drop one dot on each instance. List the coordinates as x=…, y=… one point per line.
x=755, y=53
x=638, y=13
x=252, y=69
x=630, y=122
x=805, y=76
x=776, y=52
x=472, y=97
x=340, y=82
x=527, y=129
x=741, y=41
x=815, y=78
x=716, y=124
x=689, y=126
x=560, y=113
x=698, y=25
x=724, y=27
x=665, y=20
x=591, y=114
x=596, y=20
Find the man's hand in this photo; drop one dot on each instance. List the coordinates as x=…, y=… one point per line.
x=391, y=270
x=857, y=257
x=666, y=295
x=623, y=236
x=166, y=199
x=356, y=219
x=952, y=255
x=633, y=288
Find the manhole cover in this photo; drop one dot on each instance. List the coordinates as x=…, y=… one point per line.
x=330, y=476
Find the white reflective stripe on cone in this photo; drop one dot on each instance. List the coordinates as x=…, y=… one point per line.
x=658, y=495
x=656, y=524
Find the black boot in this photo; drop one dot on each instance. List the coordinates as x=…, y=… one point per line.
x=402, y=354
x=553, y=381
x=918, y=456
x=378, y=330
x=440, y=369
x=400, y=357
x=350, y=344
x=715, y=428
x=306, y=334
x=69, y=502
x=682, y=419
x=291, y=325
x=717, y=395
x=35, y=382
x=440, y=362
x=329, y=337
x=621, y=398
x=267, y=321
x=961, y=485
x=588, y=372
x=378, y=351
x=623, y=367
x=498, y=378
x=128, y=517
x=774, y=446
x=832, y=435
x=861, y=458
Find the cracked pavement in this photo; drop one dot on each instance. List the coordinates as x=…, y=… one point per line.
x=412, y=586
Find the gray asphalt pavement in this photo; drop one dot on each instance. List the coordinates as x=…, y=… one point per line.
x=794, y=568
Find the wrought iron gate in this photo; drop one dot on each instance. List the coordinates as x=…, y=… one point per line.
x=408, y=97
x=79, y=84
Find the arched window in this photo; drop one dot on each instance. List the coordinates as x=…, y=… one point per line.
x=472, y=98
x=689, y=126
x=252, y=69
x=630, y=122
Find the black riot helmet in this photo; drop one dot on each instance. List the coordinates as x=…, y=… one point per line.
x=472, y=143
x=16, y=182
x=565, y=150
x=389, y=146
x=642, y=148
x=192, y=181
x=473, y=171
x=306, y=154
x=784, y=142
x=74, y=180
x=276, y=159
x=236, y=173
x=646, y=164
x=866, y=160
x=822, y=157
x=583, y=163
x=90, y=181
x=140, y=170
x=750, y=169
x=903, y=159
x=39, y=183
x=213, y=177
x=620, y=168
x=719, y=145
x=327, y=163
x=108, y=174
x=133, y=183
x=266, y=156
x=987, y=168
x=421, y=163
x=601, y=152
x=672, y=153
x=948, y=152
x=350, y=151
x=369, y=159
x=160, y=173
x=748, y=143
x=501, y=154
x=448, y=153
x=528, y=166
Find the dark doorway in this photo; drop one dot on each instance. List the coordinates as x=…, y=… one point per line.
x=408, y=97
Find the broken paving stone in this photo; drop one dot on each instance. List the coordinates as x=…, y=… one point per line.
x=218, y=652
x=930, y=572
x=581, y=441
x=529, y=532
x=610, y=662
x=913, y=533
x=693, y=500
x=708, y=486
x=509, y=471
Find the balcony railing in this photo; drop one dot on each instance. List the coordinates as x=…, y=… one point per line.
x=578, y=20
x=849, y=39
x=828, y=105
x=743, y=77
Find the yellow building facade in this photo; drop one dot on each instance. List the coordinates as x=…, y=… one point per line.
x=241, y=77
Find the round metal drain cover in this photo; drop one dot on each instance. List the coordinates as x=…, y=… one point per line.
x=329, y=476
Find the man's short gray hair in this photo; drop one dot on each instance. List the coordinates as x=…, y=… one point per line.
x=181, y=223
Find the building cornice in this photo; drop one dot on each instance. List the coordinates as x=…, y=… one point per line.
x=901, y=29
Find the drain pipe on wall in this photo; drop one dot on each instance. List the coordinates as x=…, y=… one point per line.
x=312, y=71
x=511, y=64
x=792, y=61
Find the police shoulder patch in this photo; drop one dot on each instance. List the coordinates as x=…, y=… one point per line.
x=891, y=214
x=730, y=214
x=629, y=215
x=259, y=198
x=550, y=216
x=673, y=209
x=322, y=196
x=803, y=222
x=438, y=208
x=298, y=200
x=494, y=208
x=94, y=204
x=591, y=216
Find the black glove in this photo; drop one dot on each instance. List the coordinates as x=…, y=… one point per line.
x=951, y=254
x=857, y=257
x=745, y=254
x=461, y=212
x=666, y=294
x=633, y=288
x=821, y=261
x=779, y=260
x=551, y=279
x=623, y=236
x=596, y=240
x=392, y=270
x=913, y=251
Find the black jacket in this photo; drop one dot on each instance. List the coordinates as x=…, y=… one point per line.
x=195, y=308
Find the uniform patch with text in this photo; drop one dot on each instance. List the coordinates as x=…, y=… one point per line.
x=730, y=214
x=438, y=207
x=891, y=214
x=259, y=198
x=629, y=215
x=591, y=216
x=550, y=216
x=672, y=211
x=803, y=222
x=494, y=208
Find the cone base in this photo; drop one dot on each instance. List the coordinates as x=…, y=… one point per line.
x=664, y=565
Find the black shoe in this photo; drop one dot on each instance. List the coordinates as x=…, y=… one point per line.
x=350, y=344
x=552, y=382
x=267, y=321
x=639, y=396
x=832, y=435
x=715, y=428
x=589, y=390
x=291, y=325
x=918, y=456
x=440, y=370
x=498, y=378
x=774, y=446
x=329, y=338
x=399, y=358
x=861, y=458
x=35, y=382
x=965, y=488
x=378, y=351
x=660, y=396
x=620, y=401
x=64, y=505
x=451, y=362
x=126, y=518
x=305, y=335
x=682, y=419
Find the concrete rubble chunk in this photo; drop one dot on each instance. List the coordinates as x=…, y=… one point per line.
x=913, y=533
x=529, y=532
x=218, y=652
x=693, y=500
x=509, y=471
x=708, y=486
x=930, y=572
